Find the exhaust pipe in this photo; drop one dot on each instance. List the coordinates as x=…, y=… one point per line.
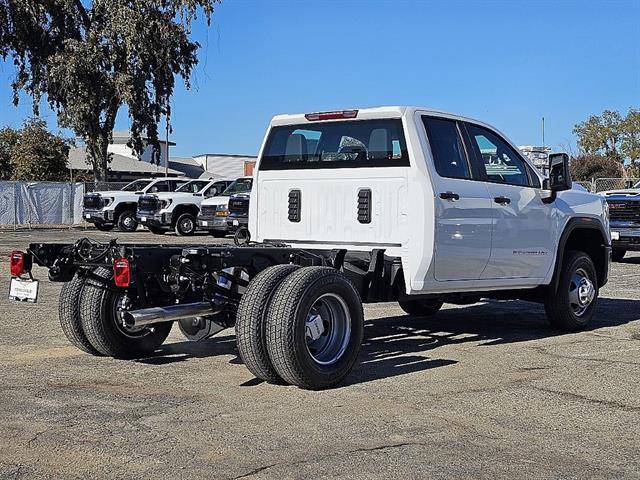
x=171, y=313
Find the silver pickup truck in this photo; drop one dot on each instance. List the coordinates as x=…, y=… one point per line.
x=624, y=215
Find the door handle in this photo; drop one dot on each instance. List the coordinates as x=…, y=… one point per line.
x=449, y=196
x=502, y=200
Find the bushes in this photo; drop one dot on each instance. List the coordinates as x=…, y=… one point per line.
x=589, y=166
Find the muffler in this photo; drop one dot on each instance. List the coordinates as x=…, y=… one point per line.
x=171, y=313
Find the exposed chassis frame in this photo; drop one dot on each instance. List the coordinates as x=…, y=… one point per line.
x=163, y=274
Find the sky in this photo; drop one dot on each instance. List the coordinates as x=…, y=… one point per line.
x=508, y=63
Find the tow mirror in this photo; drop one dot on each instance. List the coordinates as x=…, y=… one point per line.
x=559, y=173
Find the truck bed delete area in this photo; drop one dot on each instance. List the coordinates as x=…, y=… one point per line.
x=476, y=390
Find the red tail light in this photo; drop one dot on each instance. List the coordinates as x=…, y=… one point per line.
x=331, y=115
x=122, y=272
x=19, y=263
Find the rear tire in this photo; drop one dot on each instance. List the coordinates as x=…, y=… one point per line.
x=98, y=311
x=250, y=321
x=69, y=314
x=127, y=221
x=185, y=224
x=618, y=255
x=572, y=305
x=314, y=327
x=420, y=308
x=104, y=227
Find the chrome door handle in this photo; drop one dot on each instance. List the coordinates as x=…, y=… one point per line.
x=449, y=196
x=502, y=200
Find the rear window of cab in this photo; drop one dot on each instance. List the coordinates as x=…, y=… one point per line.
x=343, y=144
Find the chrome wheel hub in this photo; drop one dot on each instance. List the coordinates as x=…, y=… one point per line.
x=187, y=226
x=582, y=292
x=328, y=329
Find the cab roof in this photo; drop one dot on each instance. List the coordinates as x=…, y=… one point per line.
x=369, y=114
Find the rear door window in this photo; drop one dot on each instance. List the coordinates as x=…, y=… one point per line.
x=447, y=148
x=162, y=186
x=344, y=144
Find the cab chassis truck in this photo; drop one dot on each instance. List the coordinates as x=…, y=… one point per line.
x=378, y=205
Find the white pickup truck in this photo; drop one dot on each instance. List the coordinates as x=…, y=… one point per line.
x=214, y=212
x=112, y=208
x=177, y=210
x=385, y=204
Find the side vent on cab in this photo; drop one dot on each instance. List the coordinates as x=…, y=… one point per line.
x=364, y=205
x=295, y=205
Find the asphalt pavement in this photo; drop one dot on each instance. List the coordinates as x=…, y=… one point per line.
x=481, y=391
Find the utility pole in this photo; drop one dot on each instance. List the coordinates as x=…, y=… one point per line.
x=166, y=160
x=542, y=132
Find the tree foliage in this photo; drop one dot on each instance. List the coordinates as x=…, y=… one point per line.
x=611, y=135
x=8, y=139
x=89, y=58
x=589, y=166
x=33, y=153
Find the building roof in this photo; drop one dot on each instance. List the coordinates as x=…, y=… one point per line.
x=228, y=155
x=188, y=166
x=126, y=135
x=119, y=163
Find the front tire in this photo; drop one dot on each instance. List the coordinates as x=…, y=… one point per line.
x=314, y=327
x=69, y=314
x=420, y=308
x=185, y=224
x=127, y=221
x=618, y=255
x=250, y=321
x=572, y=305
x=99, y=311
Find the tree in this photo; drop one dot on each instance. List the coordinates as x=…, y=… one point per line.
x=39, y=154
x=589, y=166
x=89, y=58
x=8, y=139
x=611, y=135
x=630, y=145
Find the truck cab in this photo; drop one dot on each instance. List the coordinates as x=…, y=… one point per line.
x=451, y=198
x=217, y=215
x=112, y=208
x=177, y=210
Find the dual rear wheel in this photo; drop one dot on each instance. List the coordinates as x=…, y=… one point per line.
x=90, y=316
x=302, y=326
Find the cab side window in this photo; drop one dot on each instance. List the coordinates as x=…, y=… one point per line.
x=160, y=187
x=448, y=151
x=500, y=162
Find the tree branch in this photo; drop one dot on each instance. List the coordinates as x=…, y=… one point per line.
x=83, y=13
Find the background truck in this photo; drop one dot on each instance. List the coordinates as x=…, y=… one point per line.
x=624, y=216
x=177, y=210
x=214, y=212
x=376, y=205
x=118, y=207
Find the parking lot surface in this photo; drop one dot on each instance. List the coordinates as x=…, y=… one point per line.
x=484, y=391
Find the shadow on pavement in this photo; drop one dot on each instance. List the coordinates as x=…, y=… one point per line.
x=405, y=344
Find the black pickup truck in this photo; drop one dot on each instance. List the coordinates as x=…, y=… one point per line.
x=624, y=218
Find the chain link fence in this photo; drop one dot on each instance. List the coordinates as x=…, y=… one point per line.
x=103, y=186
x=604, y=184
